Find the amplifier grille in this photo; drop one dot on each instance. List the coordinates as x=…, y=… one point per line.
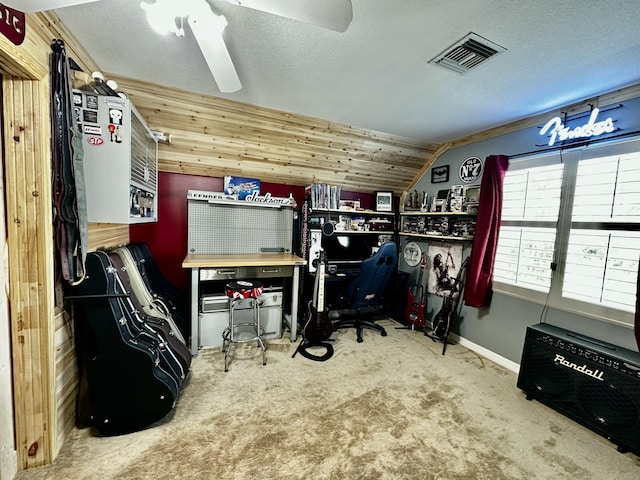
x=595, y=383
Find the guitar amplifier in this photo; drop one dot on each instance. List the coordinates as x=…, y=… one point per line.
x=594, y=383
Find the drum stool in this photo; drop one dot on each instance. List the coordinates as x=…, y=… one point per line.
x=238, y=290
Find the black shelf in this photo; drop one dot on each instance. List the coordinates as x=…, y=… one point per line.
x=455, y=226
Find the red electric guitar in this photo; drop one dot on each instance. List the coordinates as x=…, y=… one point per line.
x=416, y=301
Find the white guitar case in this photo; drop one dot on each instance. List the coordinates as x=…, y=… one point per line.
x=151, y=304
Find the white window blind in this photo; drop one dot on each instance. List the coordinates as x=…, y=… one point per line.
x=603, y=249
x=529, y=216
x=524, y=257
x=580, y=212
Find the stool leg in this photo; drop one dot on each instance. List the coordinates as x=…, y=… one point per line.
x=229, y=337
x=260, y=330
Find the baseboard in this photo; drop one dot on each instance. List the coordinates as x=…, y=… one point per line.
x=488, y=354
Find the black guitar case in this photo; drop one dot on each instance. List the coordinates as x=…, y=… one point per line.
x=130, y=378
x=158, y=324
x=159, y=286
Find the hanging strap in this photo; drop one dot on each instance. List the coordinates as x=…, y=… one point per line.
x=69, y=202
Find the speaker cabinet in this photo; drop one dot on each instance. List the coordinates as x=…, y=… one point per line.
x=594, y=383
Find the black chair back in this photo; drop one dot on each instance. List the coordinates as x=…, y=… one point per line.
x=368, y=288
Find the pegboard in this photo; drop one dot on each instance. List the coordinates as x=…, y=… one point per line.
x=238, y=228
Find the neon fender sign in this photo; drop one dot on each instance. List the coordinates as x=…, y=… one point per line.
x=560, y=132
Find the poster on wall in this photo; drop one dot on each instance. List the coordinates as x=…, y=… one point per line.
x=444, y=260
x=241, y=186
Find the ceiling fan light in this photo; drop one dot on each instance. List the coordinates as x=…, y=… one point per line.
x=162, y=15
x=157, y=18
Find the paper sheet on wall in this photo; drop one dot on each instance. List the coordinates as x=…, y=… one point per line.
x=444, y=262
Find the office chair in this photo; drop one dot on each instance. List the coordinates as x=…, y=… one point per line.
x=368, y=288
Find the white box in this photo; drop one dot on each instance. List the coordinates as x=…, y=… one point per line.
x=214, y=317
x=120, y=160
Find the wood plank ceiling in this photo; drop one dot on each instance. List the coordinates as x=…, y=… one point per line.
x=216, y=137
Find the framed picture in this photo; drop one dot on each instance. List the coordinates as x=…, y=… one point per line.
x=384, y=201
x=241, y=186
x=440, y=174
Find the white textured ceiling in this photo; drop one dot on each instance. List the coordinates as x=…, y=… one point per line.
x=375, y=75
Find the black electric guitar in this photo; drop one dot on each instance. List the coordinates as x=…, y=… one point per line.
x=442, y=320
x=318, y=327
x=416, y=301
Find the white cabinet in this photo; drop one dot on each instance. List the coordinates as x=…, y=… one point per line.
x=120, y=160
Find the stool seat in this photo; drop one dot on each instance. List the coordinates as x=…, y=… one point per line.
x=237, y=291
x=244, y=289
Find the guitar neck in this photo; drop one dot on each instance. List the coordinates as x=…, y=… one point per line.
x=320, y=288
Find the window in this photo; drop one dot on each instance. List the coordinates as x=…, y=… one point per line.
x=529, y=216
x=580, y=212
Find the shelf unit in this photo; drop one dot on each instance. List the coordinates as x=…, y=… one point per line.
x=456, y=226
x=354, y=221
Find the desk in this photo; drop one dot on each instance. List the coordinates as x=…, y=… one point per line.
x=263, y=261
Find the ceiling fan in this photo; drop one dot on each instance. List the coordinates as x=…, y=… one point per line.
x=208, y=27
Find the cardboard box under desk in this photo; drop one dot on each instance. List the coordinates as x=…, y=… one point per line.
x=213, y=317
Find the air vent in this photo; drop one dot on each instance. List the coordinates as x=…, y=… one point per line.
x=467, y=53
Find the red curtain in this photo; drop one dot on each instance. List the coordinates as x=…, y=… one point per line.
x=637, y=320
x=478, y=289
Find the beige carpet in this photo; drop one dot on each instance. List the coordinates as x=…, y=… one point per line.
x=389, y=408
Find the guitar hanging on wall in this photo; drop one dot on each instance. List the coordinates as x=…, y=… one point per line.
x=416, y=300
x=442, y=320
x=318, y=326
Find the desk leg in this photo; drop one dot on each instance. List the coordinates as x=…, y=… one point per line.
x=195, y=330
x=294, y=303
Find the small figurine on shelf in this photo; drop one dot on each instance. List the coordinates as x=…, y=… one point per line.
x=407, y=201
x=414, y=200
x=425, y=202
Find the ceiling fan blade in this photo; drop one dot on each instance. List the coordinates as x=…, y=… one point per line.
x=332, y=14
x=31, y=6
x=207, y=28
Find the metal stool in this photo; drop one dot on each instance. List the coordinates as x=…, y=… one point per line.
x=236, y=291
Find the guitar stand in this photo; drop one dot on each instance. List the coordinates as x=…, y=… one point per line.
x=412, y=327
x=436, y=339
x=305, y=344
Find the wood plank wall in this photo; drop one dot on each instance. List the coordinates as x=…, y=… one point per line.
x=29, y=234
x=215, y=137
x=44, y=375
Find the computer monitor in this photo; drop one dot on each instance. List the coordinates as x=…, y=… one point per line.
x=351, y=248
